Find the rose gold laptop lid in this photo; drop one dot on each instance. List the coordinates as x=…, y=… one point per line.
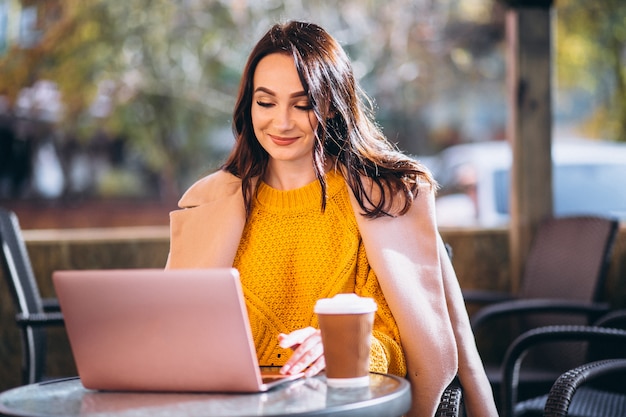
x=159, y=330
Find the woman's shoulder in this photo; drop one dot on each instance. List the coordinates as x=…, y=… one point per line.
x=212, y=187
x=394, y=200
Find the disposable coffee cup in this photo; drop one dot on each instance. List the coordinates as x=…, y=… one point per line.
x=346, y=322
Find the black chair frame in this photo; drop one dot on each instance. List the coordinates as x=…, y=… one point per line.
x=564, y=389
x=517, y=350
x=33, y=313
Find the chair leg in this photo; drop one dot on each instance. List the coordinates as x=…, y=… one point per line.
x=33, y=351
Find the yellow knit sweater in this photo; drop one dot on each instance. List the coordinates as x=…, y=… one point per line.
x=291, y=254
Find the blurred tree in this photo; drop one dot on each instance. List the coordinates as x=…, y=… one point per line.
x=137, y=69
x=159, y=77
x=591, y=55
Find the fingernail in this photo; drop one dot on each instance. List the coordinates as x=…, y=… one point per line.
x=296, y=369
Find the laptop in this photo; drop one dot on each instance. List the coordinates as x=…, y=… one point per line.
x=182, y=330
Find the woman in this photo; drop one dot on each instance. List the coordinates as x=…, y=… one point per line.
x=313, y=201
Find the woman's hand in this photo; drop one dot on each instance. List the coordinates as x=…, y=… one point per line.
x=308, y=352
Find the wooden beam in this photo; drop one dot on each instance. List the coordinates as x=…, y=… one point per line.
x=529, y=127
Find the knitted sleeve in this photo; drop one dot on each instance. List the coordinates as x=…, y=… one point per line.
x=386, y=355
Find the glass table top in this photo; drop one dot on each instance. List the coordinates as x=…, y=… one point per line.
x=385, y=395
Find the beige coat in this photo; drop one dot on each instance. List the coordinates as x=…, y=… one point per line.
x=412, y=267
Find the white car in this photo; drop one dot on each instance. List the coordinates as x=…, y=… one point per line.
x=589, y=177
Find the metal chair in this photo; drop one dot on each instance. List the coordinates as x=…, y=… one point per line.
x=606, y=354
x=33, y=313
x=562, y=283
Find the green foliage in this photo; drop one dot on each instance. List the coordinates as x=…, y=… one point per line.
x=591, y=55
x=172, y=67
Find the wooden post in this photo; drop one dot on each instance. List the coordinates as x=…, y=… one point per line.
x=529, y=130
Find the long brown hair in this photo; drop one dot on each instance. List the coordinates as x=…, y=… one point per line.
x=346, y=133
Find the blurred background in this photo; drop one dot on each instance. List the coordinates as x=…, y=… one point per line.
x=110, y=109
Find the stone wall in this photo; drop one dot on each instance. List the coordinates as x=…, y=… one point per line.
x=479, y=256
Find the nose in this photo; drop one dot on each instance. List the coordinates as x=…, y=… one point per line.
x=283, y=119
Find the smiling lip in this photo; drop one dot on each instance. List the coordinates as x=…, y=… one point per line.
x=281, y=141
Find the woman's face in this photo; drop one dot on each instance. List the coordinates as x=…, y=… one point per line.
x=282, y=116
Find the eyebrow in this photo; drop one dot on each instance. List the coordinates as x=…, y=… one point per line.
x=272, y=93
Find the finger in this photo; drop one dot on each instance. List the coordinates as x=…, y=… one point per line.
x=309, y=351
x=311, y=346
x=294, y=338
x=304, y=362
x=315, y=368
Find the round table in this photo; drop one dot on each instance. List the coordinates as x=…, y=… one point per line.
x=386, y=395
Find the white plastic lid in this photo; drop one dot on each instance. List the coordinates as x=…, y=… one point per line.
x=345, y=304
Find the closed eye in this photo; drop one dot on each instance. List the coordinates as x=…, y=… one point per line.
x=264, y=104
